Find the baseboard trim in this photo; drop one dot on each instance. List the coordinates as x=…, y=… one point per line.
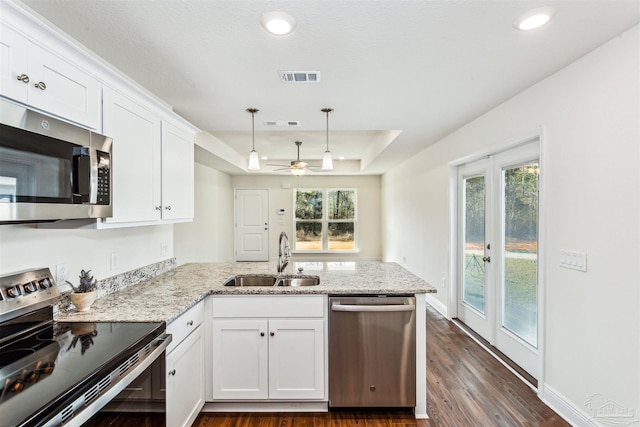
x=266, y=406
x=439, y=306
x=564, y=408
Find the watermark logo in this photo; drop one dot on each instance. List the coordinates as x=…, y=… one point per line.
x=605, y=411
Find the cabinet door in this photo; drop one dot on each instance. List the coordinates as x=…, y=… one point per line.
x=185, y=380
x=296, y=359
x=177, y=173
x=240, y=367
x=13, y=63
x=68, y=92
x=136, y=159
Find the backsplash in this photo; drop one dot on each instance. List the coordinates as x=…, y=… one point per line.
x=113, y=284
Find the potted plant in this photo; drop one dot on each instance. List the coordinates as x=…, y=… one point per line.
x=85, y=293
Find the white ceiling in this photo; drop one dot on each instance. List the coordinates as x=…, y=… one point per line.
x=400, y=75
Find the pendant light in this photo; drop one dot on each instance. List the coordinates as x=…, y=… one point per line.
x=327, y=161
x=254, y=162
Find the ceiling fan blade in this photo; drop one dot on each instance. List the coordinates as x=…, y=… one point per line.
x=282, y=166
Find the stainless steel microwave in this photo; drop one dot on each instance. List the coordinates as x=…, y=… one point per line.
x=51, y=170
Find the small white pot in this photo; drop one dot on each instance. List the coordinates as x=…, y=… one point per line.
x=83, y=301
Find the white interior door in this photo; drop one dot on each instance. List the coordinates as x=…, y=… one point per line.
x=252, y=225
x=498, y=252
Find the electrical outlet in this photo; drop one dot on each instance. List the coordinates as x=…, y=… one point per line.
x=62, y=274
x=164, y=249
x=114, y=260
x=444, y=282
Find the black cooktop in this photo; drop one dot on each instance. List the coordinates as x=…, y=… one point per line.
x=42, y=369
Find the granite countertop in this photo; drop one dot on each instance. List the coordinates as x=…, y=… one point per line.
x=165, y=297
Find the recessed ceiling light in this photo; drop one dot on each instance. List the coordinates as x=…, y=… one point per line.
x=278, y=23
x=535, y=18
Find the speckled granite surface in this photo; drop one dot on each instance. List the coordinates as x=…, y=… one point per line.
x=166, y=296
x=120, y=281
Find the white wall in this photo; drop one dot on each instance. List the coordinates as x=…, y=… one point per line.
x=591, y=160
x=368, y=209
x=209, y=238
x=26, y=247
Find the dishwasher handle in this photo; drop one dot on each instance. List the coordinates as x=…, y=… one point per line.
x=336, y=306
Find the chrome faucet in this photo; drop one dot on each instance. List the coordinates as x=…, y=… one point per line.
x=284, y=253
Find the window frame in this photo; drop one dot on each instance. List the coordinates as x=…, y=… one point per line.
x=325, y=221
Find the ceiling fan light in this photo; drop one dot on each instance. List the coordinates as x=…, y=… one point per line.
x=297, y=172
x=254, y=161
x=327, y=161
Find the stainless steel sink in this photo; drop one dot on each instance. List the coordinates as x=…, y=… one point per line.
x=300, y=281
x=272, y=280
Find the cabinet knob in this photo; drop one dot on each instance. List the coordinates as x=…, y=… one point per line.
x=23, y=78
x=486, y=258
x=272, y=334
x=190, y=323
x=158, y=208
x=41, y=85
x=172, y=372
x=261, y=334
x=168, y=207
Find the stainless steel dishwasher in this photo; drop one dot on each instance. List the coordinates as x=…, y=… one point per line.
x=372, y=351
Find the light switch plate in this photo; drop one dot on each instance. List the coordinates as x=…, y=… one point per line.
x=573, y=260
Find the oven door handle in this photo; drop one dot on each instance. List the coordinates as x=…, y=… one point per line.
x=84, y=413
x=336, y=306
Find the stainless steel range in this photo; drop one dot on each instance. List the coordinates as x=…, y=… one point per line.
x=55, y=373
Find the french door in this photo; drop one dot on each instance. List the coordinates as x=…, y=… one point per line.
x=497, y=262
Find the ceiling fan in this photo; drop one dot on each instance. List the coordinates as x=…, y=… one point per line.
x=297, y=167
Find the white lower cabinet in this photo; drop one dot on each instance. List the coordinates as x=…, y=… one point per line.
x=184, y=371
x=277, y=356
x=185, y=381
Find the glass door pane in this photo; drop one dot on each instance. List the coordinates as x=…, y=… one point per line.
x=520, y=252
x=474, y=241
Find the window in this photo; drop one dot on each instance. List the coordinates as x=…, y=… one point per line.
x=325, y=220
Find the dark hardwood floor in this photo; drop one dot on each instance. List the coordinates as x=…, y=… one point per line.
x=466, y=387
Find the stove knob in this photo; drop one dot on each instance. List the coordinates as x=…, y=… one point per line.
x=32, y=377
x=45, y=283
x=30, y=287
x=14, y=291
x=47, y=368
x=16, y=387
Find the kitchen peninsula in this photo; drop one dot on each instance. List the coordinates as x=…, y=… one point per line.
x=194, y=295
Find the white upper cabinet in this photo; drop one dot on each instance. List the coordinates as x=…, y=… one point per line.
x=136, y=173
x=152, y=164
x=37, y=77
x=177, y=173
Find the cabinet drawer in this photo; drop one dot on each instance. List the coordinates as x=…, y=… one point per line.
x=269, y=306
x=182, y=326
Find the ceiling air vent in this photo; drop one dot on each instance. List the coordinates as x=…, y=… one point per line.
x=299, y=76
x=282, y=123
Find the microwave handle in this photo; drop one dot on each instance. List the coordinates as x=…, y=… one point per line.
x=83, y=176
